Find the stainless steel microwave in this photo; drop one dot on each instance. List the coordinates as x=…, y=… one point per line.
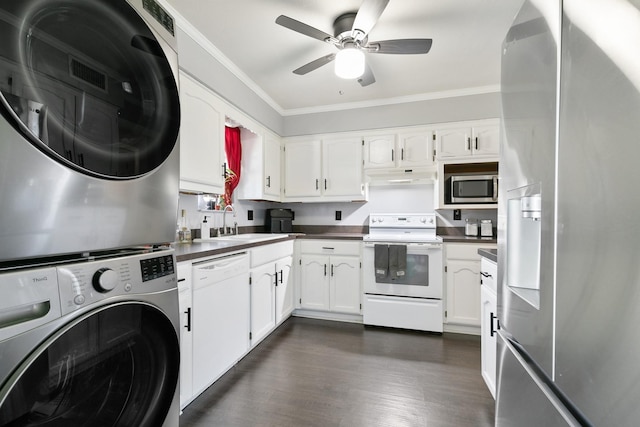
x=473, y=188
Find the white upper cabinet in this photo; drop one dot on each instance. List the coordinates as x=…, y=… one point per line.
x=404, y=149
x=380, y=151
x=303, y=169
x=261, y=163
x=342, y=167
x=201, y=138
x=469, y=139
x=416, y=148
x=321, y=170
x=272, y=168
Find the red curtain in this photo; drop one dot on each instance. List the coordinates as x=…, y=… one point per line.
x=233, y=148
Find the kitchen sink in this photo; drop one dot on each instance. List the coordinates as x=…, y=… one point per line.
x=243, y=238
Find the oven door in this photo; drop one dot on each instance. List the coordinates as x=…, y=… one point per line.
x=423, y=274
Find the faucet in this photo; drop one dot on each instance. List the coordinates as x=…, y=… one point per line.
x=224, y=218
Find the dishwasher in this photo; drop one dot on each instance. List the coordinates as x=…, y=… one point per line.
x=220, y=316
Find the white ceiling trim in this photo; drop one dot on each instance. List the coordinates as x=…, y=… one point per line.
x=397, y=100
x=206, y=44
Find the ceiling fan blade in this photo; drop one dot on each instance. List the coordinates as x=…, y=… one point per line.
x=314, y=64
x=400, y=46
x=367, y=17
x=367, y=78
x=302, y=28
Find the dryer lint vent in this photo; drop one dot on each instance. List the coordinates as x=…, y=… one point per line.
x=87, y=74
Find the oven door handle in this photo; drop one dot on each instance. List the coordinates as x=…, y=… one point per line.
x=410, y=246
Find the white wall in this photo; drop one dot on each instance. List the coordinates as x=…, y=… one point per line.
x=405, y=198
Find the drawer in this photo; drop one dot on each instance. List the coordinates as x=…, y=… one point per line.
x=489, y=273
x=466, y=251
x=330, y=247
x=267, y=253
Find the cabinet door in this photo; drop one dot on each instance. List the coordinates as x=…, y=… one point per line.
x=486, y=140
x=201, y=138
x=453, y=142
x=380, y=151
x=186, y=338
x=284, y=289
x=488, y=340
x=314, y=282
x=463, y=292
x=346, y=294
x=302, y=168
x=342, y=167
x=272, y=162
x=416, y=149
x=263, y=315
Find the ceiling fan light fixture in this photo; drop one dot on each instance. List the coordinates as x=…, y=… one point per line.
x=349, y=63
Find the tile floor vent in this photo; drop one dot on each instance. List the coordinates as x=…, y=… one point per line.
x=88, y=74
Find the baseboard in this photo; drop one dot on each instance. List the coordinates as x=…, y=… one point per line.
x=324, y=315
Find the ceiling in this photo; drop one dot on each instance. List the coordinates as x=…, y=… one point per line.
x=464, y=57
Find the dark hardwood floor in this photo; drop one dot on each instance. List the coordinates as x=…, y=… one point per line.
x=321, y=373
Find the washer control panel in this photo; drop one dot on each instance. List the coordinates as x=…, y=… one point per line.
x=85, y=283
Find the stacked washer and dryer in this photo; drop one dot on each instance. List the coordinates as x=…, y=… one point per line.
x=89, y=172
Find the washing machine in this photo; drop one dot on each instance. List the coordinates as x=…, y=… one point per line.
x=89, y=124
x=91, y=343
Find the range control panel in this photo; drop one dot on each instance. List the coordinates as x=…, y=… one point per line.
x=399, y=221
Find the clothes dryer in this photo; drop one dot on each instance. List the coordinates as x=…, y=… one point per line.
x=89, y=122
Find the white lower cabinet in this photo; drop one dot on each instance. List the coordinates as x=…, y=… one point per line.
x=186, y=337
x=271, y=288
x=263, y=312
x=284, y=289
x=489, y=307
x=462, y=271
x=330, y=276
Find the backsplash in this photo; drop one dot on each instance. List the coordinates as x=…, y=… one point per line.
x=405, y=198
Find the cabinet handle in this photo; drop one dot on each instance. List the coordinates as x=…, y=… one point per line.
x=491, y=319
x=476, y=143
x=269, y=181
x=331, y=270
x=392, y=154
x=188, y=325
x=325, y=183
x=182, y=280
x=281, y=274
x=483, y=274
x=328, y=248
x=317, y=183
x=325, y=269
x=402, y=154
x=468, y=144
x=276, y=279
x=224, y=170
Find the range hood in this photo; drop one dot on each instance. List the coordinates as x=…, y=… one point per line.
x=377, y=177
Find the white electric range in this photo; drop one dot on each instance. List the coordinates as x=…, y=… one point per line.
x=403, y=272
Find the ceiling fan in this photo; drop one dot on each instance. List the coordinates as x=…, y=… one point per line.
x=351, y=31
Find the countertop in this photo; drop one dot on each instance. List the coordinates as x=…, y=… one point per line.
x=491, y=254
x=190, y=251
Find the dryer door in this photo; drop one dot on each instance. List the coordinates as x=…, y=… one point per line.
x=117, y=366
x=89, y=84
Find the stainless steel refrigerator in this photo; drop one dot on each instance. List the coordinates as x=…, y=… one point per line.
x=569, y=216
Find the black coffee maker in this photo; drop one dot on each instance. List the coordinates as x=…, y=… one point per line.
x=279, y=221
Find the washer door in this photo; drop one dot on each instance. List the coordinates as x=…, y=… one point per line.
x=89, y=84
x=114, y=367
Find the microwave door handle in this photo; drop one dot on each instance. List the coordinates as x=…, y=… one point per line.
x=495, y=188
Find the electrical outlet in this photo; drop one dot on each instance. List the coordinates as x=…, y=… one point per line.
x=250, y=215
x=457, y=214
x=338, y=215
